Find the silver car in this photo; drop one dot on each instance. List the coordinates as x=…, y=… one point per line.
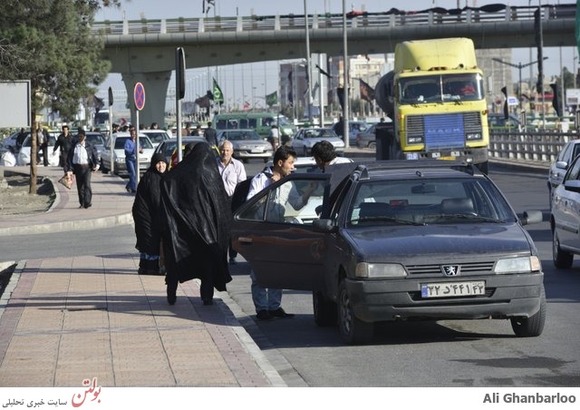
x=119, y=140
x=247, y=144
x=304, y=140
x=559, y=167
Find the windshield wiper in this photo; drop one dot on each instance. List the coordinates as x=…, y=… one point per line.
x=387, y=219
x=470, y=217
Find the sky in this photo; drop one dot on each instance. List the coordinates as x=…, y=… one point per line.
x=267, y=73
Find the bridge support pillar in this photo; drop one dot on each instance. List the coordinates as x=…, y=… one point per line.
x=155, y=84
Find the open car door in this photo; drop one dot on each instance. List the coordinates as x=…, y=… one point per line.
x=273, y=232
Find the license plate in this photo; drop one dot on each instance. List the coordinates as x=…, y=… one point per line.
x=452, y=289
x=257, y=150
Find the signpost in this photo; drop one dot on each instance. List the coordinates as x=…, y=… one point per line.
x=111, y=131
x=139, y=98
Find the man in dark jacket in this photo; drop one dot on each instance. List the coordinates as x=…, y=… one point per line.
x=82, y=161
x=196, y=228
x=64, y=142
x=210, y=135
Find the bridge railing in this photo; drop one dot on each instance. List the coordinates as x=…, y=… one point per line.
x=327, y=21
x=540, y=146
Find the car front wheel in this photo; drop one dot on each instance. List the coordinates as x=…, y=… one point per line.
x=324, y=310
x=562, y=259
x=352, y=329
x=534, y=325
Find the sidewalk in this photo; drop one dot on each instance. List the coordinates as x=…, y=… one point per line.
x=64, y=320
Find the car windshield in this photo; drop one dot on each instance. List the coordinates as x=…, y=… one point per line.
x=95, y=139
x=157, y=136
x=319, y=133
x=144, y=142
x=427, y=202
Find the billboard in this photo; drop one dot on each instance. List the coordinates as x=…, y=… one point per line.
x=15, y=104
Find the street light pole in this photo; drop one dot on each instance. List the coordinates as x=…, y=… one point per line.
x=519, y=66
x=308, y=63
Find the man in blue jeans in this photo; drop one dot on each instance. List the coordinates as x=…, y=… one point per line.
x=131, y=160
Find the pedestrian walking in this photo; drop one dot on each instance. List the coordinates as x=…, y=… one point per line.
x=148, y=216
x=64, y=142
x=196, y=226
x=131, y=159
x=210, y=135
x=82, y=161
x=232, y=172
x=43, y=145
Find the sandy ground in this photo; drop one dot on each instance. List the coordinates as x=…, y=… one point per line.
x=15, y=198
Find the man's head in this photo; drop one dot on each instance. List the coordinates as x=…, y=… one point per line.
x=323, y=153
x=284, y=159
x=81, y=135
x=133, y=132
x=65, y=129
x=226, y=151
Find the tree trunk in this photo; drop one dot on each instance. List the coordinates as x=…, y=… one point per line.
x=33, y=152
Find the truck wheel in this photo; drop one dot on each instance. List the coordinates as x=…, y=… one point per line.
x=324, y=310
x=352, y=329
x=562, y=259
x=534, y=325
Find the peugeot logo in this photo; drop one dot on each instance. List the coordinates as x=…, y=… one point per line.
x=450, y=270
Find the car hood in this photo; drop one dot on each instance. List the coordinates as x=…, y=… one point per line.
x=375, y=244
x=336, y=142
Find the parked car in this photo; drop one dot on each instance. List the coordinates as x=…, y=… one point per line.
x=565, y=217
x=396, y=240
x=167, y=147
x=23, y=157
x=118, y=144
x=559, y=167
x=157, y=136
x=303, y=141
x=248, y=144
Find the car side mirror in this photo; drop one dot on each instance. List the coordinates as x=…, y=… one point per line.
x=561, y=165
x=324, y=226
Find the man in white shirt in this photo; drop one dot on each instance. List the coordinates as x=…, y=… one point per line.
x=232, y=172
x=83, y=160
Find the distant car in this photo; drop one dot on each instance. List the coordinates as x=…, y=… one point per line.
x=395, y=240
x=9, y=143
x=248, y=144
x=23, y=157
x=167, y=147
x=354, y=127
x=97, y=139
x=157, y=136
x=367, y=138
x=119, y=140
x=500, y=121
x=565, y=217
x=559, y=167
x=303, y=141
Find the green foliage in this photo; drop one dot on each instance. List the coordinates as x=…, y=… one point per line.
x=50, y=43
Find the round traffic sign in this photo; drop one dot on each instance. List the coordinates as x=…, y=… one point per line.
x=139, y=96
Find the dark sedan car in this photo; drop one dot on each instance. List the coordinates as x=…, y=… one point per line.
x=167, y=147
x=395, y=240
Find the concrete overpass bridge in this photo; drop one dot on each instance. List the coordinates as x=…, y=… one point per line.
x=144, y=50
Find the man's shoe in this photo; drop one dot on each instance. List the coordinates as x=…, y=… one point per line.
x=171, y=294
x=280, y=313
x=263, y=315
x=88, y=206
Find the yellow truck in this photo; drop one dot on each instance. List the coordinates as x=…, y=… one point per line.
x=436, y=99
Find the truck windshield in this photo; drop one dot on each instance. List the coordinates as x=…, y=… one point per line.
x=441, y=88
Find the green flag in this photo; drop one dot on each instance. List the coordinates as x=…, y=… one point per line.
x=218, y=96
x=272, y=99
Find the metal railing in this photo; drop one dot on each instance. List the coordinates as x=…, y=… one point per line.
x=392, y=18
x=541, y=147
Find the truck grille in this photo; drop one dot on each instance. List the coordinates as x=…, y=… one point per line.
x=442, y=131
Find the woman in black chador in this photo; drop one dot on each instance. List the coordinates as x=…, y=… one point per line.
x=148, y=216
x=196, y=231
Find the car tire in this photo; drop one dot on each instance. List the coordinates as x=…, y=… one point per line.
x=561, y=258
x=324, y=310
x=534, y=325
x=372, y=145
x=352, y=329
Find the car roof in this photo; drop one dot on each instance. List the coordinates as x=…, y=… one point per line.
x=426, y=168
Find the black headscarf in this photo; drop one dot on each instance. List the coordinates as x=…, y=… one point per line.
x=197, y=219
x=146, y=210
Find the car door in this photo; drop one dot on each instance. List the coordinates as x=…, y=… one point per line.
x=566, y=208
x=273, y=232
x=298, y=142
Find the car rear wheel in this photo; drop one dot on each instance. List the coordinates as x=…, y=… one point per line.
x=534, y=325
x=373, y=145
x=324, y=310
x=352, y=329
x=562, y=259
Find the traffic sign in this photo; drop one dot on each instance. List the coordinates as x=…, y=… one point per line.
x=139, y=96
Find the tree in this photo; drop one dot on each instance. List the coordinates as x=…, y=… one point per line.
x=50, y=43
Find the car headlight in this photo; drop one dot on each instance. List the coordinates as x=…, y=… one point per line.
x=379, y=270
x=518, y=265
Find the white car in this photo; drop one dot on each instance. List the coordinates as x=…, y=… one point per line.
x=304, y=140
x=157, y=136
x=23, y=157
x=119, y=140
x=559, y=167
